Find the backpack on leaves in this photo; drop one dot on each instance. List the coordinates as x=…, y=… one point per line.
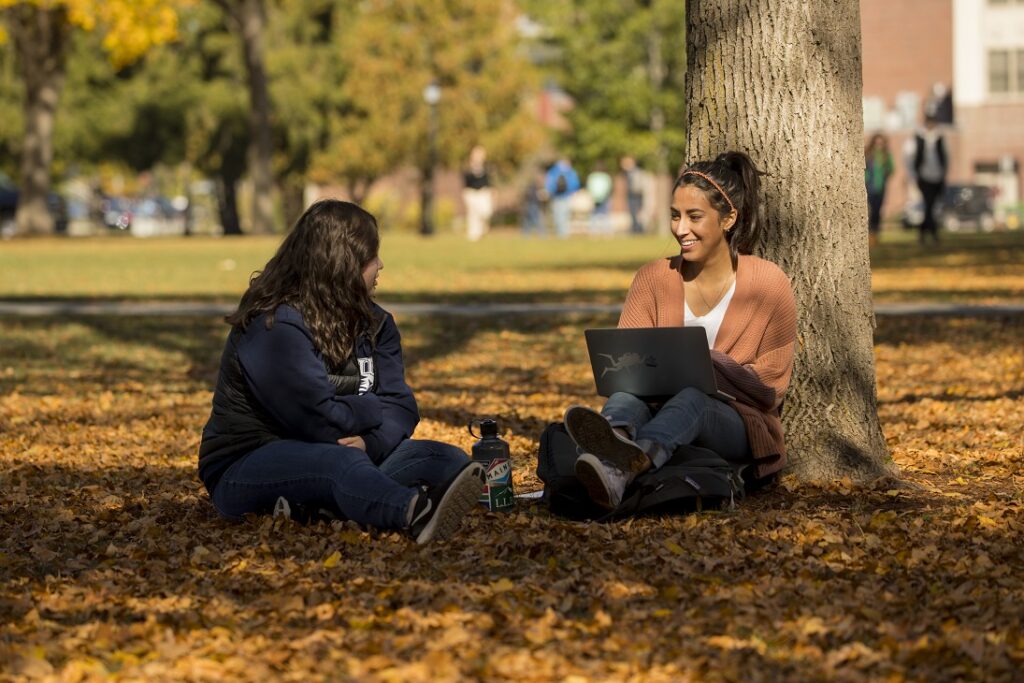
x=693, y=479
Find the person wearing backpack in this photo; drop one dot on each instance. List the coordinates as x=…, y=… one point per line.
x=311, y=413
x=748, y=311
x=561, y=183
x=927, y=164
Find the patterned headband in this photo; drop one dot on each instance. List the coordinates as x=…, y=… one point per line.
x=717, y=186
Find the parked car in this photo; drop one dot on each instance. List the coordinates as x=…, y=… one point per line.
x=968, y=206
x=116, y=213
x=156, y=216
x=961, y=208
x=9, y=205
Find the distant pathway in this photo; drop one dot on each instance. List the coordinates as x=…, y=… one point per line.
x=198, y=308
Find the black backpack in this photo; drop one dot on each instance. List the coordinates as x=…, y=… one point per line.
x=561, y=184
x=693, y=479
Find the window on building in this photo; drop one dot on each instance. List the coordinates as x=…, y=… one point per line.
x=998, y=71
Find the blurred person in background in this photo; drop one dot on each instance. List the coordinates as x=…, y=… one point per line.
x=599, y=187
x=534, y=198
x=878, y=166
x=634, y=177
x=476, y=194
x=927, y=162
x=561, y=183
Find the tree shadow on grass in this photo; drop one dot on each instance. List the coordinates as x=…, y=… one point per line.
x=959, y=250
x=86, y=351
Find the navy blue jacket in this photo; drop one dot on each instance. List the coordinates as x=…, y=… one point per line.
x=274, y=384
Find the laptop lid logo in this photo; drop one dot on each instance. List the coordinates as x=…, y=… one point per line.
x=627, y=361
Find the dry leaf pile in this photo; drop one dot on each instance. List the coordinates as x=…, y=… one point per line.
x=113, y=563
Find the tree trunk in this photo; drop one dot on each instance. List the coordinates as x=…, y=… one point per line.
x=293, y=198
x=662, y=179
x=781, y=79
x=40, y=39
x=250, y=19
x=227, y=205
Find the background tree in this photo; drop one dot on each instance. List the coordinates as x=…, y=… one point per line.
x=782, y=80
x=616, y=60
x=393, y=49
x=248, y=19
x=12, y=126
x=178, y=106
x=305, y=59
x=132, y=117
x=40, y=32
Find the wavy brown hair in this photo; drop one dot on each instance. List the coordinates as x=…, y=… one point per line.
x=318, y=270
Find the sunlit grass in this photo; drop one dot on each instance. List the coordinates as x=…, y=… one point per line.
x=965, y=268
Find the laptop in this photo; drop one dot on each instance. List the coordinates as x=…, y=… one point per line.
x=652, y=363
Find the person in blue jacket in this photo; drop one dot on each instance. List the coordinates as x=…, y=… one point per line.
x=561, y=182
x=311, y=412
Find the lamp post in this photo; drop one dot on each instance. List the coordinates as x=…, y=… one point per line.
x=431, y=95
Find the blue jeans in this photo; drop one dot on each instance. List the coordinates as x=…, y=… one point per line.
x=561, y=214
x=636, y=203
x=533, y=219
x=600, y=220
x=337, y=478
x=690, y=417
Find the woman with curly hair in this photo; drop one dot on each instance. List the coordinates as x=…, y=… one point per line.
x=311, y=412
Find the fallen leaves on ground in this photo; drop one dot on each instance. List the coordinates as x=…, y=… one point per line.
x=114, y=564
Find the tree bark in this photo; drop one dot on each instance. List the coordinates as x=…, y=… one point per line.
x=293, y=198
x=40, y=39
x=249, y=18
x=227, y=205
x=781, y=79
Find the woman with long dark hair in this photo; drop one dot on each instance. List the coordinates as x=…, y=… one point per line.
x=746, y=307
x=311, y=412
x=878, y=167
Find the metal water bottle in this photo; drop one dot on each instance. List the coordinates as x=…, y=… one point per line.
x=493, y=452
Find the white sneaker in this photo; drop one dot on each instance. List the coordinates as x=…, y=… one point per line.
x=604, y=482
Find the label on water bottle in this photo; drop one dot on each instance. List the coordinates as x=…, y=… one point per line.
x=497, y=493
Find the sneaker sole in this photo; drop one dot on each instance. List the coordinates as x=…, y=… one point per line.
x=589, y=474
x=455, y=503
x=594, y=434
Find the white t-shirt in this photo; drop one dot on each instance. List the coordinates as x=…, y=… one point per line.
x=712, y=320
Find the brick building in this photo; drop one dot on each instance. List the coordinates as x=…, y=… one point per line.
x=914, y=51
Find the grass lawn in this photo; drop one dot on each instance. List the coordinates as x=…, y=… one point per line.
x=113, y=563
x=966, y=268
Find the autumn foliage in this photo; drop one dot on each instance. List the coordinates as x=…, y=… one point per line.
x=113, y=563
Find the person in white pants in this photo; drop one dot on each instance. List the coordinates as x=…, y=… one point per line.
x=477, y=195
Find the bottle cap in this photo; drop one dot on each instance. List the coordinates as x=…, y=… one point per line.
x=488, y=428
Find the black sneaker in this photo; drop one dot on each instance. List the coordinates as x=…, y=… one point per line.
x=594, y=434
x=439, y=511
